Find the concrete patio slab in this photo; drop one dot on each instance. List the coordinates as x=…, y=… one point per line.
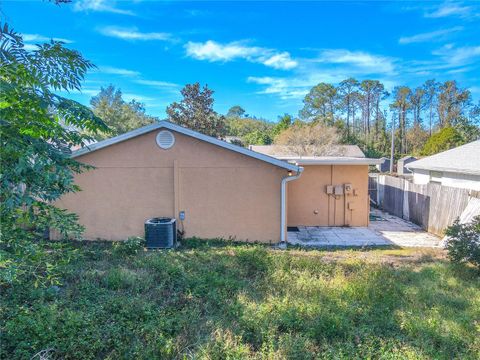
x=386, y=230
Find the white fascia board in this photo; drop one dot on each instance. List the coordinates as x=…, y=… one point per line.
x=443, y=169
x=115, y=140
x=335, y=161
x=180, y=129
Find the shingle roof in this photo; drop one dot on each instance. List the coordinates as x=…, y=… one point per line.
x=464, y=159
x=174, y=127
x=408, y=157
x=338, y=155
x=283, y=151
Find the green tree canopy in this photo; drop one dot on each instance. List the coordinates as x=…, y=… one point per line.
x=284, y=122
x=119, y=115
x=320, y=103
x=257, y=137
x=235, y=112
x=38, y=129
x=195, y=111
x=445, y=139
x=252, y=131
x=452, y=103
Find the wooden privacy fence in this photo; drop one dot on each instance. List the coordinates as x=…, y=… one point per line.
x=432, y=206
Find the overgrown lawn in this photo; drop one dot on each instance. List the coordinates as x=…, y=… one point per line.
x=217, y=300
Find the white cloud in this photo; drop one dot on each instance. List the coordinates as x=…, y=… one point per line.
x=430, y=36
x=136, y=77
x=450, y=9
x=30, y=47
x=459, y=70
x=118, y=71
x=458, y=56
x=91, y=92
x=136, y=97
x=157, y=84
x=83, y=91
x=214, y=51
x=358, y=60
x=132, y=33
x=465, y=55
x=100, y=6
x=331, y=66
x=281, y=61
x=37, y=38
x=283, y=87
x=296, y=86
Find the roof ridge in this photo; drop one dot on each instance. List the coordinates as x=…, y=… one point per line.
x=457, y=160
x=185, y=131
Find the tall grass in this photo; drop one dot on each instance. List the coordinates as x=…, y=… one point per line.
x=221, y=300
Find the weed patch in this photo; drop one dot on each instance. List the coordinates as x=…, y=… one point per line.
x=224, y=300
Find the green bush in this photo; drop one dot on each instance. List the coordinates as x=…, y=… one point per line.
x=38, y=127
x=443, y=140
x=131, y=246
x=42, y=262
x=464, y=242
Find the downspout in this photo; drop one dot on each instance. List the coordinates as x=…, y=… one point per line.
x=283, y=235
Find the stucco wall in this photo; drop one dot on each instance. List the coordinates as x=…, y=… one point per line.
x=309, y=204
x=223, y=193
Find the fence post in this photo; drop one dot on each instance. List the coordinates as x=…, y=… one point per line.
x=432, y=206
x=380, y=190
x=406, y=210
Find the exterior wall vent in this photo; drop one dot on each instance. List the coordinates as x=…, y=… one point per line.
x=165, y=139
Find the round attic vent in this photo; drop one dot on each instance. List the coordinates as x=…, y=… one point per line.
x=165, y=139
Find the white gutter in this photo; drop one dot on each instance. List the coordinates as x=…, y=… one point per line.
x=443, y=169
x=330, y=160
x=283, y=235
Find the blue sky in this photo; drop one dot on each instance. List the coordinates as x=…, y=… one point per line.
x=263, y=56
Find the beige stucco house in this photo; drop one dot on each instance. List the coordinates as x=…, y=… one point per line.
x=225, y=191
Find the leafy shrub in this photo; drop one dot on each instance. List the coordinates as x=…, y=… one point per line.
x=464, y=242
x=40, y=264
x=443, y=140
x=131, y=246
x=37, y=169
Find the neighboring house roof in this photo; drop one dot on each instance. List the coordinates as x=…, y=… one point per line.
x=464, y=159
x=408, y=157
x=282, y=150
x=341, y=155
x=231, y=139
x=86, y=143
x=331, y=160
x=177, y=128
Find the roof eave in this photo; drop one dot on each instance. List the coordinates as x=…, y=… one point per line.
x=115, y=140
x=346, y=161
x=444, y=169
x=177, y=128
